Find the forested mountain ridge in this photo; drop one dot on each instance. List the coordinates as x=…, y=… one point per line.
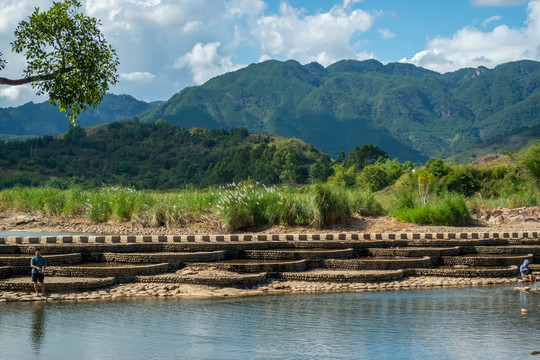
x=163, y=156
x=43, y=119
x=410, y=112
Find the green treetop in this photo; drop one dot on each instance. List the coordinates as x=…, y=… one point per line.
x=67, y=57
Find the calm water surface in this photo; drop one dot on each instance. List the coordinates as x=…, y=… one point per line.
x=425, y=324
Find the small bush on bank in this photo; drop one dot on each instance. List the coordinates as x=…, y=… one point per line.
x=450, y=210
x=331, y=206
x=365, y=203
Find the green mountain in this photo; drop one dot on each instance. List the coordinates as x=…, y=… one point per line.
x=410, y=112
x=43, y=119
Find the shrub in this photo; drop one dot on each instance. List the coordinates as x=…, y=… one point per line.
x=365, y=203
x=331, y=206
x=451, y=210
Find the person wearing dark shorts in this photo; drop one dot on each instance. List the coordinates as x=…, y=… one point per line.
x=38, y=265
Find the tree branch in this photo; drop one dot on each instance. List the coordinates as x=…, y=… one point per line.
x=30, y=79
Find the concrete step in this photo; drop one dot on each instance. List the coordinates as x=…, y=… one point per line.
x=234, y=279
x=256, y=265
x=416, y=251
x=466, y=271
x=299, y=254
x=379, y=263
x=344, y=275
x=56, y=284
x=122, y=273
x=486, y=260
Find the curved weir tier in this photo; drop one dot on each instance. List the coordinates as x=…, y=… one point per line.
x=299, y=254
x=58, y=284
x=175, y=259
x=380, y=263
x=344, y=276
x=216, y=279
x=247, y=260
x=122, y=272
x=257, y=266
x=486, y=260
x=433, y=252
x=452, y=271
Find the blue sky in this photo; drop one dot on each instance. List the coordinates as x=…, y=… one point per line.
x=166, y=45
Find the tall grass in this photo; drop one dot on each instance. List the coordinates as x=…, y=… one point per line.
x=331, y=206
x=450, y=210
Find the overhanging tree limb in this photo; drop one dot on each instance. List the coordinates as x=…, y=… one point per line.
x=67, y=57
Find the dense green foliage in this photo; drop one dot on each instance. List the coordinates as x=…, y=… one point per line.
x=157, y=156
x=67, y=57
x=412, y=113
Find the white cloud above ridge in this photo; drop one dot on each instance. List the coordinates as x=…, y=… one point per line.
x=322, y=37
x=137, y=76
x=205, y=62
x=471, y=47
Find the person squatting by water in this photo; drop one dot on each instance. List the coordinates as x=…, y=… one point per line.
x=526, y=271
x=38, y=265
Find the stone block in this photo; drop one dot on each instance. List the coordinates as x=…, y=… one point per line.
x=14, y=240
x=49, y=239
x=247, y=237
x=354, y=236
x=439, y=235
x=403, y=236
x=31, y=240
x=97, y=239
x=82, y=239
x=220, y=238
x=342, y=236
x=315, y=237
x=66, y=239
x=113, y=239
x=302, y=237
x=327, y=237
x=130, y=239
x=161, y=239
x=451, y=235
x=233, y=238
x=261, y=237
x=289, y=237
x=474, y=235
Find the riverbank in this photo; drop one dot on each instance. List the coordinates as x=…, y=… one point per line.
x=495, y=220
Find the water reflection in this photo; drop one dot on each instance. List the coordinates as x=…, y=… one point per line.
x=38, y=326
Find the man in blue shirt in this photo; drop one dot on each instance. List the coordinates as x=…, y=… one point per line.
x=38, y=265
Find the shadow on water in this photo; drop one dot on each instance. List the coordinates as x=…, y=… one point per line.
x=37, y=334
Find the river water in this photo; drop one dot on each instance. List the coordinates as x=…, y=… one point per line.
x=470, y=323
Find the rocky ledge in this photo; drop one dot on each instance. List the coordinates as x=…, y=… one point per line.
x=275, y=287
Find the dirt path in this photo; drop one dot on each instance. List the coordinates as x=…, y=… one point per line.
x=16, y=221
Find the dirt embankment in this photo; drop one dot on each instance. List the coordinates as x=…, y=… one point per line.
x=494, y=220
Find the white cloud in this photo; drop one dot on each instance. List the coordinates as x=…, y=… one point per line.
x=471, y=47
x=325, y=36
x=137, y=76
x=386, y=34
x=497, y=2
x=11, y=92
x=204, y=62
